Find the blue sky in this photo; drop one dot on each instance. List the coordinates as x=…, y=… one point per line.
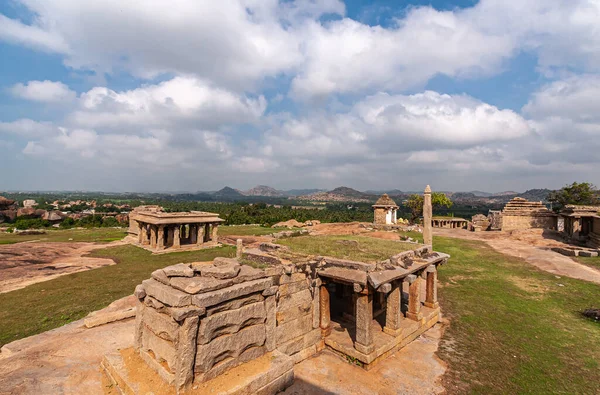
x=194, y=95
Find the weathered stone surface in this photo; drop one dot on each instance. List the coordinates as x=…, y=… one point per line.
x=293, y=329
x=344, y=263
x=270, y=323
x=139, y=325
x=268, y=247
x=155, y=304
x=248, y=273
x=221, y=272
x=230, y=346
x=194, y=285
x=270, y=291
x=277, y=385
x=588, y=253
x=235, y=304
x=222, y=295
x=385, y=276
x=293, y=312
x=292, y=288
x=166, y=294
x=259, y=256
x=232, y=321
x=316, y=306
x=346, y=275
x=104, y=318
x=291, y=278
x=179, y=270
x=300, y=343
x=140, y=292
x=162, y=325
x=385, y=288
x=304, y=354
x=223, y=261
x=398, y=259
x=186, y=353
x=303, y=298
x=363, y=311
x=181, y=313
x=239, y=248
x=160, y=276
x=230, y=363
x=163, y=350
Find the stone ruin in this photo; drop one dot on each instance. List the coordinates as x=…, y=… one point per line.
x=519, y=213
x=196, y=322
x=480, y=222
x=581, y=224
x=385, y=211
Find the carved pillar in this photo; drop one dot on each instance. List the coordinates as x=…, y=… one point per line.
x=170, y=236
x=214, y=234
x=193, y=234
x=414, y=298
x=393, y=314
x=427, y=216
x=141, y=230
x=206, y=232
x=324, y=309
x=363, y=312
x=431, y=290
x=176, y=238
x=153, y=235
x=239, y=249
x=160, y=242
x=201, y=233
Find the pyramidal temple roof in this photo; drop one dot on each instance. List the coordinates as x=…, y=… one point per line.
x=385, y=201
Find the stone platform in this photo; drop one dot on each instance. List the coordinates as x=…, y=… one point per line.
x=342, y=333
x=269, y=374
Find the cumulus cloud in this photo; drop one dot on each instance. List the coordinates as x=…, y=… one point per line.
x=43, y=91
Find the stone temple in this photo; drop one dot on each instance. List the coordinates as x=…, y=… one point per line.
x=385, y=211
x=153, y=228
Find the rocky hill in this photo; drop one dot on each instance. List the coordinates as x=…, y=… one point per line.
x=264, y=190
x=340, y=194
x=228, y=192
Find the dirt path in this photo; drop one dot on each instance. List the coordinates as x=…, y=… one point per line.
x=27, y=263
x=533, y=246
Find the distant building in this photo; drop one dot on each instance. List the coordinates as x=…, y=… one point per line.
x=385, y=211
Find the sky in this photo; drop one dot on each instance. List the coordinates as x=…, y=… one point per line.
x=193, y=95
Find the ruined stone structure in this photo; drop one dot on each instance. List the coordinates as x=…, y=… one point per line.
x=495, y=218
x=385, y=211
x=450, y=223
x=582, y=224
x=520, y=213
x=153, y=228
x=480, y=222
x=197, y=321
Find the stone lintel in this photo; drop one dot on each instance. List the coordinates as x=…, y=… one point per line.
x=386, y=276
x=345, y=275
x=165, y=294
x=347, y=264
x=222, y=295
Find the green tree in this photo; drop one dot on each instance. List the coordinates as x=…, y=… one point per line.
x=415, y=203
x=576, y=193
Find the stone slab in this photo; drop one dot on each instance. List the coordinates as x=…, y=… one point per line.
x=166, y=294
x=293, y=329
x=346, y=275
x=345, y=263
x=195, y=285
x=235, y=304
x=232, y=321
x=179, y=270
x=221, y=272
x=222, y=295
x=386, y=276
x=162, y=325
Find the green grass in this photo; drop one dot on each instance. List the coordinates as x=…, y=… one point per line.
x=513, y=328
x=589, y=261
x=99, y=235
x=44, y=306
x=368, y=249
x=245, y=230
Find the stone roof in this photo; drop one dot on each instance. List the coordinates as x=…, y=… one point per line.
x=522, y=207
x=385, y=201
x=580, y=211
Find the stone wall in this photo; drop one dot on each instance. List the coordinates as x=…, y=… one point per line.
x=380, y=214
x=594, y=240
x=520, y=214
x=517, y=222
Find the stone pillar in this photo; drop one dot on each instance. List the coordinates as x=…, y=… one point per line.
x=207, y=232
x=414, y=298
x=201, y=233
x=395, y=218
x=176, y=238
x=160, y=242
x=363, y=312
x=141, y=231
x=393, y=314
x=170, y=231
x=239, y=248
x=185, y=353
x=324, y=309
x=153, y=235
x=427, y=216
x=214, y=233
x=431, y=290
x=193, y=234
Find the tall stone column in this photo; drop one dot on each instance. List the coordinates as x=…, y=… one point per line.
x=207, y=232
x=214, y=234
x=160, y=242
x=431, y=291
x=169, y=236
x=141, y=231
x=201, y=233
x=363, y=313
x=324, y=309
x=153, y=235
x=393, y=314
x=414, y=298
x=176, y=237
x=427, y=216
x=193, y=234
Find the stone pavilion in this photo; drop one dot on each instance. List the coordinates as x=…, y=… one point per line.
x=385, y=211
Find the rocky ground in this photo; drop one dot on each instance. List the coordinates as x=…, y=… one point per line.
x=27, y=263
x=532, y=245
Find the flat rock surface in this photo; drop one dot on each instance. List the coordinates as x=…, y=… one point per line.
x=533, y=246
x=27, y=263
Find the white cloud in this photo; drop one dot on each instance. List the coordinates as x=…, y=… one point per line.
x=43, y=91
x=39, y=36
x=28, y=128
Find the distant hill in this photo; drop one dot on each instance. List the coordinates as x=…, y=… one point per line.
x=480, y=193
x=536, y=194
x=229, y=193
x=391, y=192
x=263, y=190
x=340, y=194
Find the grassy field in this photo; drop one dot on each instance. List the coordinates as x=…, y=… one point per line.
x=245, y=230
x=99, y=235
x=367, y=249
x=40, y=307
x=515, y=329
x=589, y=261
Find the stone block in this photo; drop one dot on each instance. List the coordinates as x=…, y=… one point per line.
x=270, y=291
x=235, y=304
x=160, y=276
x=222, y=295
x=300, y=343
x=385, y=276
x=277, y=385
x=292, y=278
x=588, y=253
x=347, y=264
x=155, y=304
x=139, y=325
x=166, y=294
x=220, y=272
x=293, y=329
x=248, y=273
x=229, y=346
x=230, y=363
x=292, y=288
x=181, y=313
x=303, y=298
x=316, y=307
x=162, y=325
x=270, y=323
x=185, y=355
x=195, y=285
x=163, y=350
x=293, y=312
x=223, y=261
x=305, y=354
x=232, y=321
x=345, y=274
x=139, y=292
x=179, y=270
